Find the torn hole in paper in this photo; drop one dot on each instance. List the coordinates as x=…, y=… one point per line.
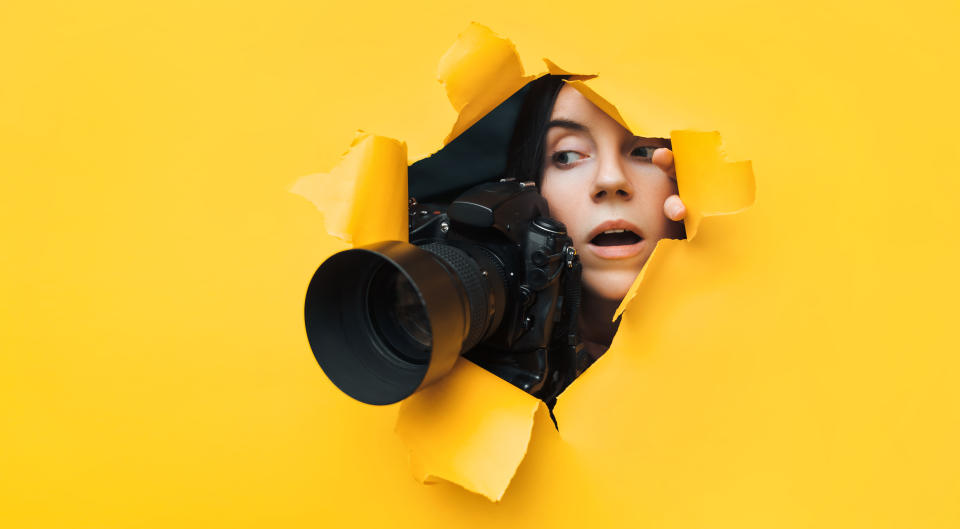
x=470, y=427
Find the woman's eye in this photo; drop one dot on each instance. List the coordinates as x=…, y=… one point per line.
x=567, y=157
x=643, y=152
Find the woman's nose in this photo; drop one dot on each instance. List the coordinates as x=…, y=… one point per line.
x=611, y=180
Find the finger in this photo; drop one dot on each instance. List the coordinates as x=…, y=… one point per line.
x=674, y=208
x=663, y=158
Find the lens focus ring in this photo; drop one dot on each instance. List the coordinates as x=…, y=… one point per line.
x=470, y=275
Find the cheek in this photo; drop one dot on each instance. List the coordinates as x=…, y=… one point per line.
x=654, y=190
x=561, y=197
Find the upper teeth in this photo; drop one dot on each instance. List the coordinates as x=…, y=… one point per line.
x=613, y=231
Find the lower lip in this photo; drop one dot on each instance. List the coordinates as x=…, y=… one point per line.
x=617, y=252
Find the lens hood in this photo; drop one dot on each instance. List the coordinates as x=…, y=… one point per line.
x=367, y=355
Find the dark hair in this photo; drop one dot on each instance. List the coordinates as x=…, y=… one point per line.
x=525, y=155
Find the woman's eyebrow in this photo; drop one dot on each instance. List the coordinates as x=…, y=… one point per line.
x=567, y=124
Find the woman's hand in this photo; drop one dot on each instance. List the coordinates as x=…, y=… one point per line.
x=673, y=207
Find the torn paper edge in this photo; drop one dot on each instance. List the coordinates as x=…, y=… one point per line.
x=505, y=76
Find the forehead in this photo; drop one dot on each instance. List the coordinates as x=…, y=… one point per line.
x=572, y=105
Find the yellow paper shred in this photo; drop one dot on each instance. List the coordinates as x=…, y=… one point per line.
x=480, y=71
x=553, y=69
x=471, y=428
x=709, y=185
x=364, y=198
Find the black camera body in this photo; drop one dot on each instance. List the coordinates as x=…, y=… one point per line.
x=535, y=343
x=490, y=276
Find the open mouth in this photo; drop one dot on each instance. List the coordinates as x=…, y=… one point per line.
x=620, y=237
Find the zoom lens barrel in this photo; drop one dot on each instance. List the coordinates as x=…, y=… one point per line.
x=386, y=319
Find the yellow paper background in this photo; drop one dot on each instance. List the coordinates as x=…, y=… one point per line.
x=792, y=366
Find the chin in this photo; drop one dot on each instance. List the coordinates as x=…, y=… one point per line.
x=610, y=285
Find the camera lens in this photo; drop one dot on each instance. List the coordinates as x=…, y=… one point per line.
x=388, y=318
x=399, y=317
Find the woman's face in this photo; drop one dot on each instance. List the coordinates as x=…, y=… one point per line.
x=599, y=180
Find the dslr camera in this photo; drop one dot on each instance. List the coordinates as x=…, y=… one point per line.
x=489, y=276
